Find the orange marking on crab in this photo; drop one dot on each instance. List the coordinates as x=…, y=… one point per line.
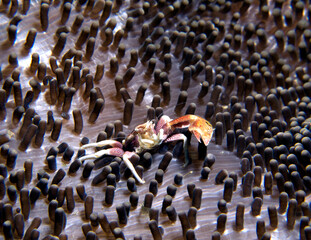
x=200, y=127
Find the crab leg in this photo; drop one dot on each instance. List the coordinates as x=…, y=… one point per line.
x=112, y=143
x=177, y=137
x=126, y=158
x=118, y=152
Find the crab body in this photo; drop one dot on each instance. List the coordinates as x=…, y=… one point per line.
x=149, y=135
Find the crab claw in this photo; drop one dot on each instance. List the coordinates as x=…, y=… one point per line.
x=200, y=127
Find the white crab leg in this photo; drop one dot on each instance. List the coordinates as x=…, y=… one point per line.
x=118, y=152
x=128, y=163
x=109, y=142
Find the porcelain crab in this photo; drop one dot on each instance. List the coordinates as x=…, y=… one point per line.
x=150, y=135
